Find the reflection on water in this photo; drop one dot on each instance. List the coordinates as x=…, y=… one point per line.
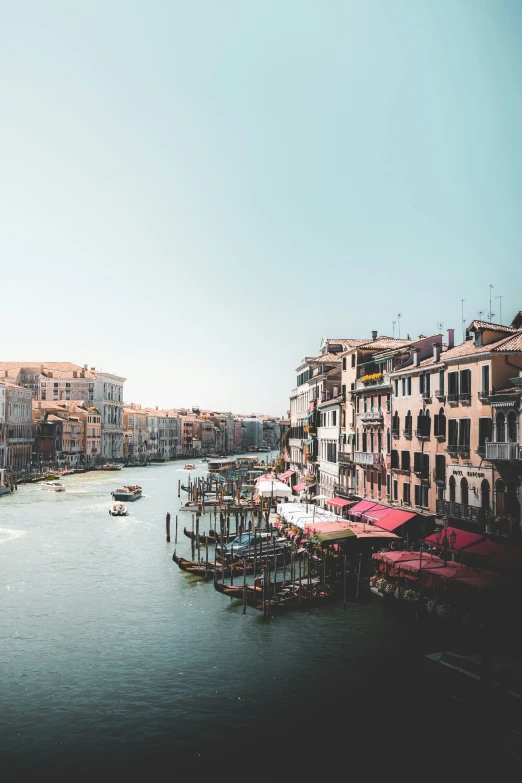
x=112, y=658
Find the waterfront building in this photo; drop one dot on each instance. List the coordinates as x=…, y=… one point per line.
x=271, y=433
x=325, y=448
x=18, y=436
x=253, y=427
x=303, y=407
x=238, y=435
x=107, y=397
x=74, y=445
x=187, y=433
x=136, y=433
x=2, y=424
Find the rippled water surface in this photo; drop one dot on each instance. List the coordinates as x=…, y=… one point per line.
x=111, y=657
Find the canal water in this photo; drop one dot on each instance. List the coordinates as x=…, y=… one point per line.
x=113, y=660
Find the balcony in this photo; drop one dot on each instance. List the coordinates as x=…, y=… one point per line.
x=345, y=458
x=439, y=476
x=447, y=508
x=501, y=451
x=465, y=397
x=483, y=395
x=407, y=433
x=381, y=382
x=395, y=433
x=370, y=459
x=453, y=399
x=426, y=397
x=371, y=417
x=421, y=435
x=481, y=451
x=345, y=490
x=439, y=394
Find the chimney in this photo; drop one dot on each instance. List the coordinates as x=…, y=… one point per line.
x=374, y=335
x=451, y=338
x=156, y=407
x=416, y=354
x=84, y=366
x=41, y=368
x=50, y=373
x=436, y=352
x=93, y=369
x=75, y=373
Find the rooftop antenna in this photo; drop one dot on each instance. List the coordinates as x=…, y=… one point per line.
x=440, y=326
x=399, y=316
x=481, y=314
x=500, y=301
x=491, y=313
x=393, y=325
x=462, y=317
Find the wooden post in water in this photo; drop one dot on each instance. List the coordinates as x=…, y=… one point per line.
x=359, y=578
x=168, y=527
x=192, y=539
x=176, y=535
x=299, y=563
x=206, y=557
x=344, y=580
x=244, y=587
x=179, y=488
x=263, y=577
x=232, y=565
x=197, y=535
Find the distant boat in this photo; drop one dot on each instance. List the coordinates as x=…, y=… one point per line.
x=118, y=510
x=128, y=492
x=54, y=486
x=190, y=466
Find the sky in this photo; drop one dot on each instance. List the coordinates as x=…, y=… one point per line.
x=194, y=194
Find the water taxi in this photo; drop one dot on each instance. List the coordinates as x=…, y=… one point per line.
x=221, y=465
x=54, y=486
x=118, y=510
x=190, y=466
x=128, y=492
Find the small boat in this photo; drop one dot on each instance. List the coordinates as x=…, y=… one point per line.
x=128, y=492
x=190, y=466
x=118, y=510
x=110, y=466
x=205, y=459
x=211, y=537
x=195, y=504
x=5, y=488
x=294, y=597
x=211, y=569
x=54, y=486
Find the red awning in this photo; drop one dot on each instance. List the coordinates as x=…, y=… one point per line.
x=286, y=474
x=462, y=541
x=362, y=506
x=299, y=487
x=377, y=508
x=487, y=548
x=340, y=502
x=394, y=519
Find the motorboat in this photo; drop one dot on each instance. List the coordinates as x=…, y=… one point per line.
x=5, y=488
x=128, y=492
x=190, y=466
x=54, y=486
x=118, y=510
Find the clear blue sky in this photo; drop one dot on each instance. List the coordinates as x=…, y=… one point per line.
x=192, y=194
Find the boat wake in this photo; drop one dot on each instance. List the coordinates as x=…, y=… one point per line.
x=8, y=534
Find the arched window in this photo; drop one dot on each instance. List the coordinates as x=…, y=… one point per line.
x=500, y=498
x=484, y=495
x=408, y=423
x=388, y=441
x=439, y=424
x=57, y=444
x=464, y=494
x=452, y=489
x=512, y=427
x=371, y=440
x=364, y=441
x=500, y=423
x=420, y=423
x=379, y=441
x=396, y=423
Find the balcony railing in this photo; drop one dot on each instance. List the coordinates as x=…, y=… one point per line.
x=368, y=458
x=383, y=381
x=453, y=399
x=395, y=433
x=345, y=490
x=483, y=394
x=501, y=451
x=374, y=416
x=426, y=396
x=481, y=451
x=439, y=394
x=421, y=435
x=344, y=458
x=465, y=397
x=407, y=433
x=447, y=508
x=458, y=449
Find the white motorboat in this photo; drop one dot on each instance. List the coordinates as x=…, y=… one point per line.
x=118, y=510
x=54, y=486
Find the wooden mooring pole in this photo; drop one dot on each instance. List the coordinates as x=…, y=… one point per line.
x=168, y=527
x=176, y=534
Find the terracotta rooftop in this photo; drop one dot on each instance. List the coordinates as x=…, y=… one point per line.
x=489, y=325
x=513, y=343
x=346, y=342
x=383, y=343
